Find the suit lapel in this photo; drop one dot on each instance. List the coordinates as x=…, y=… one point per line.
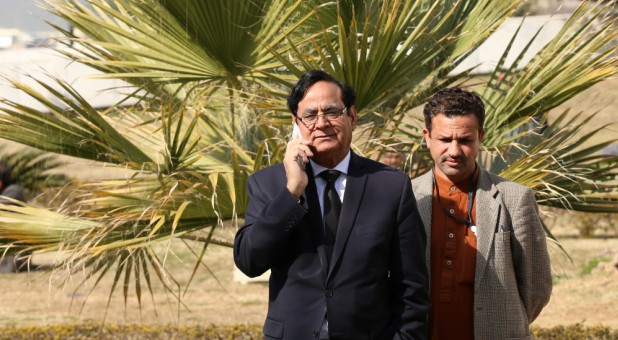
x=487, y=218
x=424, y=188
x=312, y=204
x=354, y=190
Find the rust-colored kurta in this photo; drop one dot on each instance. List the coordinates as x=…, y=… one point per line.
x=453, y=262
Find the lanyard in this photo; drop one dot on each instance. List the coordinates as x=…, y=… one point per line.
x=471, y=190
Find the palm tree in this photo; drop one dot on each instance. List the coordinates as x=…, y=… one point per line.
x=211, y=79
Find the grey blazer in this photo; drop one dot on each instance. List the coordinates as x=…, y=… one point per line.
x=513, y=276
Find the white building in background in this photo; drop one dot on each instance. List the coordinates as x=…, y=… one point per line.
x=27, y=65
x=485, y=58
x=23, y=64
x=13, y=37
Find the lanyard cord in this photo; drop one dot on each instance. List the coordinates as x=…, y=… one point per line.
x=470, y=200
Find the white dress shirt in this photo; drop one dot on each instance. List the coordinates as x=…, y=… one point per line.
x=320, y=183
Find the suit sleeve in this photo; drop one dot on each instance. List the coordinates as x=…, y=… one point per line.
x=531, y=259
x=409, y=271
x=269, y=219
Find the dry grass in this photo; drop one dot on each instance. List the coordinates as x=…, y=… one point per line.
x=28, y=298
x=590, y=298
x=600, y=98
x=34, y=299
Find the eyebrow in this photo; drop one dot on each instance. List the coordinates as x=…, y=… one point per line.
x=326, y=108
x=461, y=136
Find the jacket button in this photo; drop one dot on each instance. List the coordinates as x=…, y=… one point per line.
x=329, y=293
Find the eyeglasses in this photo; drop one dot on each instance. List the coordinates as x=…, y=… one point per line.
x=311, y=119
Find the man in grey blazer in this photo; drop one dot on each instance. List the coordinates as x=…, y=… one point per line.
x=346, y=253
x=487, y=256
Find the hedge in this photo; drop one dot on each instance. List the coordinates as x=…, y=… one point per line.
x=91, y=330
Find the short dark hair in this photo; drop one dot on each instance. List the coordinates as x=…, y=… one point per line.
x=454, y=101
x=308, y=79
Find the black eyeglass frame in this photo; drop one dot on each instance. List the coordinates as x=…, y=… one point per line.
x=327, y=116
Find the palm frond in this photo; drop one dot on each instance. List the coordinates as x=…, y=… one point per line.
x=545, y=82
x=563, y=172
x=67, y=125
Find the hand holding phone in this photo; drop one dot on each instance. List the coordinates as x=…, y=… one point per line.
x=296, y=135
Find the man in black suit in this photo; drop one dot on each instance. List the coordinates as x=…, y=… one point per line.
x=346, y=253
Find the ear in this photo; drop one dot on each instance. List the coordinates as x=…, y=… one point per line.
x=481, y=135
x=427, y=136
x=353, y=116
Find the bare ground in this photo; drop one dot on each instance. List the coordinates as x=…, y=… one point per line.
x=34, y=298
x=583, y=298
x=30, y=299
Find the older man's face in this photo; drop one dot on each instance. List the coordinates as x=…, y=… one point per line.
x=331, y=139
x=454, y=144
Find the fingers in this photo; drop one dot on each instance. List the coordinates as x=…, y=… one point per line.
x=304, y=153
x=299, y=150
x=296, y=156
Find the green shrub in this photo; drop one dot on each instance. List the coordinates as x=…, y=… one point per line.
x=575, y=332
x=587, y=267
x=91, y=330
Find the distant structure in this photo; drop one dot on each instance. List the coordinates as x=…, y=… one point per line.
x=13, y=37
x=610, y=150
x=484, y=59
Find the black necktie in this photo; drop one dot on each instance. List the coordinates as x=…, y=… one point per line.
x=332, y=209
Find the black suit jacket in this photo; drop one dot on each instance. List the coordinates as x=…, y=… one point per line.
x=376, y=286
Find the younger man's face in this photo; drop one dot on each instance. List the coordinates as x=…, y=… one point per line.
x=454, y=143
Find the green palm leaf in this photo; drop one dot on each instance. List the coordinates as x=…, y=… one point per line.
x=74, y=128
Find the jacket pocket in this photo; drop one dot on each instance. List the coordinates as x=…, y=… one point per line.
x=273, y=328
x=504, y=259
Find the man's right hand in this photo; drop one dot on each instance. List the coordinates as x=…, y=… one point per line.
x=297, y=180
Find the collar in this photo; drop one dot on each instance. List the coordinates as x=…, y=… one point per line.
x=343, y=166
x=462, y=186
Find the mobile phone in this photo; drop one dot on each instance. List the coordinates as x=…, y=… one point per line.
x=295, y=131
x=296, y=135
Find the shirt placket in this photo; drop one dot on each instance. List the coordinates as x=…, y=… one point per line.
x=450, y=246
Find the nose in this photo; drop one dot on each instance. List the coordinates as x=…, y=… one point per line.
x=454, y=149
x=321, y=121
